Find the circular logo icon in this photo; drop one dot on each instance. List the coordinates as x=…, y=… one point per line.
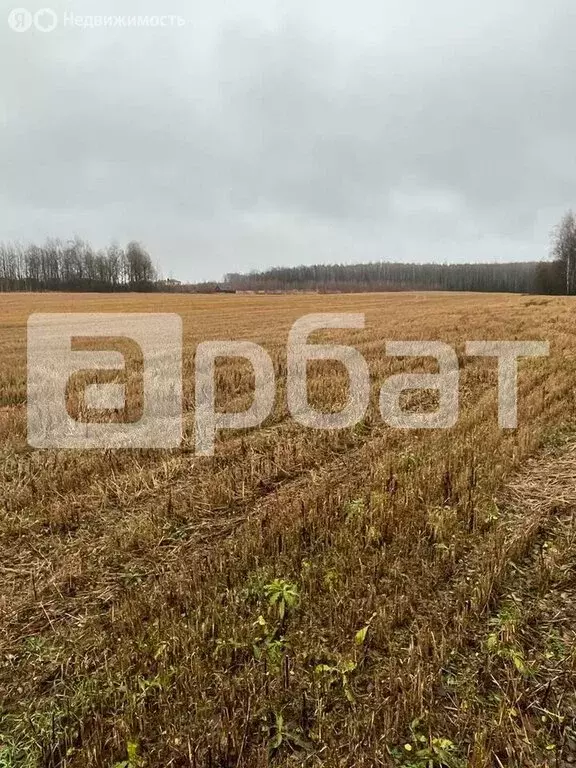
x=20, y=19
x=45, y=20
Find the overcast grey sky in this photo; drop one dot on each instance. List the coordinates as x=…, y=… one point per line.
x=262, y=133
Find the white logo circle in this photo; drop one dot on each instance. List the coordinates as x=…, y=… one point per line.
x=20, y=19
x=45, y=20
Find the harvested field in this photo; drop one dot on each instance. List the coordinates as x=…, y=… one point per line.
x=362, y=597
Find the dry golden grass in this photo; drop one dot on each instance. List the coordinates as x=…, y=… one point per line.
x=303, y=597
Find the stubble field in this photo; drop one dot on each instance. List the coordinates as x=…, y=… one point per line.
x=364, y=597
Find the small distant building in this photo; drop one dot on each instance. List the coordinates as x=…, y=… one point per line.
x=210, y=288
x=169, y=284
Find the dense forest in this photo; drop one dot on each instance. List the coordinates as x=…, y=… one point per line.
x=519, y=277
x=75, y=266
x=554, y=276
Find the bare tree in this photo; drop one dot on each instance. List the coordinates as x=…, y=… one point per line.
x=564, y=250
x=140, y=270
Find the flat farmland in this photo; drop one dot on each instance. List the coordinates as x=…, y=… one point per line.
x=359, y=597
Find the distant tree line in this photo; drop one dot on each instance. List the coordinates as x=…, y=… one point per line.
x=75, y=266
x=520, y=277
